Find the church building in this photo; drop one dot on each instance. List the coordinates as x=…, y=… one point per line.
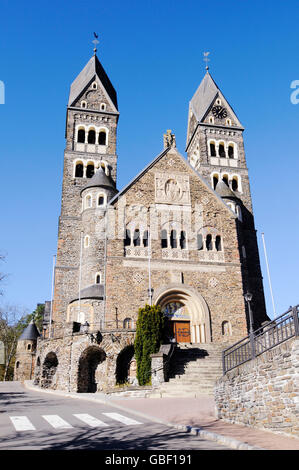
x=181, y=235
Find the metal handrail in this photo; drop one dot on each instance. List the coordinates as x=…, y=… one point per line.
x=261, y=340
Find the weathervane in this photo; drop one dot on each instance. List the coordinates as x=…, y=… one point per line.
x=206, y=59
x=95, y=42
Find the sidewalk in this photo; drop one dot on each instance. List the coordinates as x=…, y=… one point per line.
x=195, y=415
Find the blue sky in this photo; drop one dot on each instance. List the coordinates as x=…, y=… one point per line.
x=152, y=52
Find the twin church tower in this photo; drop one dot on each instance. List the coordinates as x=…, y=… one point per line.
x=181, y=234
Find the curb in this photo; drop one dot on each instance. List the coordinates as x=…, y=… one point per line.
x=208, y=435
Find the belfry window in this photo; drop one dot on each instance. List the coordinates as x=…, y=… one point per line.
x=225, y=179
x=235, y=184
x=231, y=151
x=164, y=239
x=215, y=181
x=209, y=244
x=136, y=240
x=218, y=243
x=81, y=136
x=212, y=149
x=173, y=239
x=102, y=138
x=79, y=170
x=90, y=170
x=222, y=151
x=92, y=136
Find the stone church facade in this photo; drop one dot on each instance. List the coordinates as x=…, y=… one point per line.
x=181, y=234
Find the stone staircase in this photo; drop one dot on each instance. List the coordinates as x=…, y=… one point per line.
x=194, y=369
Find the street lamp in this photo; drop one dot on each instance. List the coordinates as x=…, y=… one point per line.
x=248, y=298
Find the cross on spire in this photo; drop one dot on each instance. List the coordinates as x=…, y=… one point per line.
x=95, y=42
x=206, y=59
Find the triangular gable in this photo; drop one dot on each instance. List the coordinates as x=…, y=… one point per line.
x=91, y=70
x=205, y=96
x=153, y=162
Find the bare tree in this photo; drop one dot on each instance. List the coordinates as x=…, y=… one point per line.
x=9, y=333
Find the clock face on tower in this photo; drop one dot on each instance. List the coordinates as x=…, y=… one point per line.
x=219, y=112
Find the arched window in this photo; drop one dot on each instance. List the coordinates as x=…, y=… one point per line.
x=235, y=184
x=183, y=241
x=101, y=200
x=231, y=151
x=127, y=324
x=225, y=179
x=212, y=149
x=102, y=138
x=173, y=239
x=199, y=242
x=91, y=136
x=103, y=107
x=88, y=201
x=81, y=136
x=218, y=243
x=17, y=364
x=83, y=104
x=226, y=328
x=215, y=181
x=94, y=85
x=136, y=240
x=164, y=243
x=90, y=170
x=145, y=239
x=128, y=238
x=98, y=278
x=209, y=244
x=79, y=170
x=29, y=347
x=222, y=150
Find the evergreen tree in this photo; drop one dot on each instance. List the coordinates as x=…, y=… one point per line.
x=149, y=334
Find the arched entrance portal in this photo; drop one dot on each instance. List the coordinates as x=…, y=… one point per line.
x=49, y=370
x=187, y=312
x=88, y=363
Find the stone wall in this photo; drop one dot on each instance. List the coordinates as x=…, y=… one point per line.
x=263, y=393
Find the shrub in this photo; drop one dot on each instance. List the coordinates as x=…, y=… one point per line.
x=149, y=334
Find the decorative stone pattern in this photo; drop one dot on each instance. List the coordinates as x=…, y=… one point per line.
x=263, y=393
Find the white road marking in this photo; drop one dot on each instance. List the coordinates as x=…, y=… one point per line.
x=90, y=420
x=22, y=423
x=57, y=422
x=121, y=418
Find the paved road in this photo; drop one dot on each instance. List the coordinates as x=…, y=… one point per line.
x=32, y=420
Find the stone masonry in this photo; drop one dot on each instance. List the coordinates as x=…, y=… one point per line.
x=263, y=393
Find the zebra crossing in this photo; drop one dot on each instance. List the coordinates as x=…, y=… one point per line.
x=23, y=423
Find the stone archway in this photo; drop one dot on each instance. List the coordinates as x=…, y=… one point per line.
x=49, y=370
x=191, y=310
x=123, y=362
x=89, y=360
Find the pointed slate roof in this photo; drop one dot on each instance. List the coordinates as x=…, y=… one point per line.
x=99, y=179
x=205, y=96
x=30, y=332
x=95, y=291
x=92, y=68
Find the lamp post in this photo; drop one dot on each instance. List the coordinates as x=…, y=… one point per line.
x=248, y=298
